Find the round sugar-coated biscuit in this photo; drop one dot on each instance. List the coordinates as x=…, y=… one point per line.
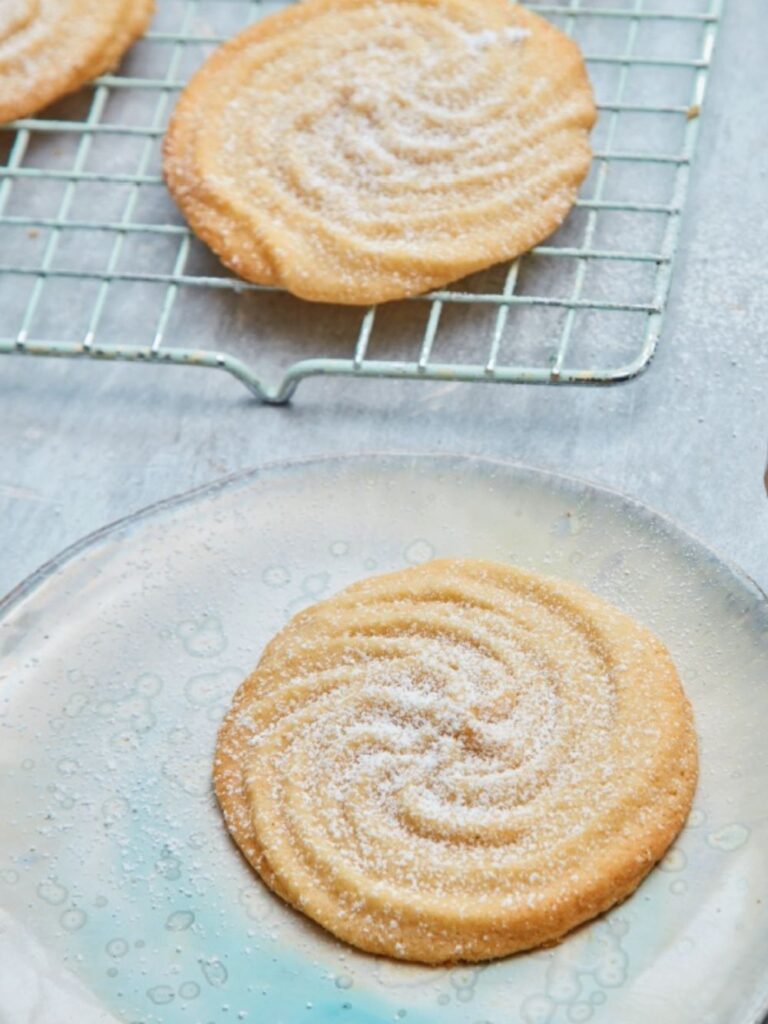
x=457, y=761
x=357, y=151
x=49, y=48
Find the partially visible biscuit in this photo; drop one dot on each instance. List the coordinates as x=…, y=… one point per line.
x=457, y=761
x=49, y=48
x=356, y=151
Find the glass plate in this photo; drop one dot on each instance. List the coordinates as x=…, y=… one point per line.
x=122, y=897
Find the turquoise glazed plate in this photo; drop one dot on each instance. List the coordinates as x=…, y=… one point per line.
x=121, y=896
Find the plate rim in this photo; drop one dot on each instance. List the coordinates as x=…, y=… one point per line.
x=26, y=586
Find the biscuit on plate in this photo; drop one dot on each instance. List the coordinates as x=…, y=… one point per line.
x=457, y=761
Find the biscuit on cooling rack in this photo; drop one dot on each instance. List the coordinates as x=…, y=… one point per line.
x=356, y=151
x=49, y=48
x=457, y=761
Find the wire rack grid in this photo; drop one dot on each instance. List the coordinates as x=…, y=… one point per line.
x=96, y=262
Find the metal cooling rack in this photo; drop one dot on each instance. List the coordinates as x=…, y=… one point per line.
x=96, y=262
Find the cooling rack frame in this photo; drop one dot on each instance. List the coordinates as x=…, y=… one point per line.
x=487, y=363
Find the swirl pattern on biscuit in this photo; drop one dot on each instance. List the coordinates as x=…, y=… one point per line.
x=362, y=150
x=49, y=48
x=458, y=761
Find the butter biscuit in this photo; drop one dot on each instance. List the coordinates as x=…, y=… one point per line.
x=49, y=48
x=356, y=151
x=457, y=761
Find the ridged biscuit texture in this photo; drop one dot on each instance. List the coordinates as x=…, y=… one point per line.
x=357, y=151
x=49, y=48
x=457, y=761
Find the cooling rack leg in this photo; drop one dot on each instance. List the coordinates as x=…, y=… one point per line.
x=169, y=356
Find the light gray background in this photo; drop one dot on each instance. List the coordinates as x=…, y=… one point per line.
x=83, y=444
